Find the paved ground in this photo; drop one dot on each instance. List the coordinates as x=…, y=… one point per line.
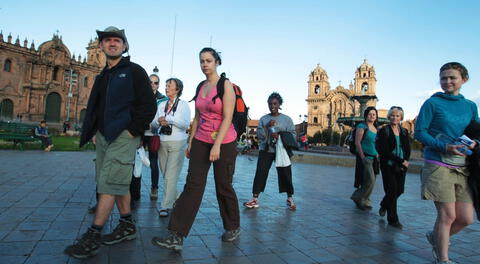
x=44, y=199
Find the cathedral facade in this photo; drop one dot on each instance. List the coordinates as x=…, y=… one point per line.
x=46, y=83
x=326, y=105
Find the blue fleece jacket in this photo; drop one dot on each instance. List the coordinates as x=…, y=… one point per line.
x=444, y=114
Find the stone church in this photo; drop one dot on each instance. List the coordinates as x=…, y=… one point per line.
x=326, y=105
x=46, y=83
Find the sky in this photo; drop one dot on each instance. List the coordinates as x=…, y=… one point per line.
x=271, y=46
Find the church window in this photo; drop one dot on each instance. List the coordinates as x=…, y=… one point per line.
x=316, y=78
x=317, y=89
x=55, y=73
x=364, y=75
x=315, y=107
x=315, y=120
x=85, y=81
x=7, y=66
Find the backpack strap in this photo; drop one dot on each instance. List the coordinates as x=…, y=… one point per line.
x=198, y=90
x=220, y=87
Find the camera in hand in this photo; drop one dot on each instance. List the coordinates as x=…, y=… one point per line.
x=166, y=130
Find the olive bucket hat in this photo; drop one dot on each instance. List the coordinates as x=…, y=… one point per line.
x=113, y=32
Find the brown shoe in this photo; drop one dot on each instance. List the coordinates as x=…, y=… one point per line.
x=154, y=194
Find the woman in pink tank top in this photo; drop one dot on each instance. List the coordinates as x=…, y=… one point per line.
x=212, y=140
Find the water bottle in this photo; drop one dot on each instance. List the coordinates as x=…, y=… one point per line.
x=272, y=130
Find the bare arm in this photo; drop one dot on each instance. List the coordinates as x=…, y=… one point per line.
x=192, y=132
x=228, y=107
x=358, y=142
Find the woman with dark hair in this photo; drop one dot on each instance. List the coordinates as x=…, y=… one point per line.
x=393, y=145
x=269, y=127
x=152, y=132
x=172, y=121
x=442, y=119
x=212, y=141
x=366, y=157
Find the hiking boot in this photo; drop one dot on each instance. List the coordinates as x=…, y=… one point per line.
x=230, y=235
x=173, y=241
x=125, y=230
x=431, y=239
x=154, y=194
x=252, y=203
x=86, y=246
x=291, y=204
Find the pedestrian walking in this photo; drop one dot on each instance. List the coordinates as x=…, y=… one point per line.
x=119, y=109
x=366, y=159
x=393, y=146
x=270, y=126
x=442, y=119
x=212, y=141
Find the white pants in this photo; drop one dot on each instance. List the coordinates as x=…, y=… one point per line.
x=171, y=156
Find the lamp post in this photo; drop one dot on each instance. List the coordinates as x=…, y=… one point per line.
x=70, y=93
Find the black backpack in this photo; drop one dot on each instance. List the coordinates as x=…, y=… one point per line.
x=240, y=113
x=351, y=141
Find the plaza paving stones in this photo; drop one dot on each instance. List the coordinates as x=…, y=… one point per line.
x=44, y=199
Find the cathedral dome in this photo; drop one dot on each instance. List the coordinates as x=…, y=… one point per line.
x=55, y=43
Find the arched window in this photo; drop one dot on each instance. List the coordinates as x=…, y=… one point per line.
x=55, y=73
x=6, y=109
x=317, y=89
x=7, y=66
x=85, y=81
x=364, y=75
x=315, y=120
x=316, y=78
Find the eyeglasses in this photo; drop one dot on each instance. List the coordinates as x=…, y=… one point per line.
x=396, y=107
x=154, y=83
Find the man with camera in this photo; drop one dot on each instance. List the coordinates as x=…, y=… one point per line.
x=173, y=120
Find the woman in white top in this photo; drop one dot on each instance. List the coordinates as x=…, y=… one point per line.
x=173, y=120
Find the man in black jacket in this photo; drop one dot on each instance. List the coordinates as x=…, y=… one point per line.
x=120, y=108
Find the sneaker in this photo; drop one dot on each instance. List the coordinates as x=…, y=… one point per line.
x=444, y=262
x=124, y=231
x=163, y=213
x=252, y=203
x=85, y=247
x=154, y=194
x=382, y=211
x=230, y=235
x=173, y=241
x=396, y=224
x=291, y=204
x=431, y=240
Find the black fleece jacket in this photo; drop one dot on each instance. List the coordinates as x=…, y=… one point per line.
x=127, y=102
x=385, y=144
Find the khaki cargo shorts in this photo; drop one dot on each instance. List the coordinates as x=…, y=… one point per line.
x=114, y=164
x=446, y=185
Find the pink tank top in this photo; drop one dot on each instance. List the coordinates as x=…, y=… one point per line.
x=210, y=119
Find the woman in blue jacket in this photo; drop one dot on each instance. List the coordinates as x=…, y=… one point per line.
x=442, y=119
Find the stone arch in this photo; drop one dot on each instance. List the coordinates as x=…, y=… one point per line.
x=6, y=109
x=52, y=107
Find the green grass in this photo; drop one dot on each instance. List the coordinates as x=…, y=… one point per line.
x=61, y=143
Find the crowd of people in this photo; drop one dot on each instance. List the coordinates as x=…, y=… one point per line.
x=126, y=111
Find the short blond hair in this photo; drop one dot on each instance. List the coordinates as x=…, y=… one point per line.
x=394, y=109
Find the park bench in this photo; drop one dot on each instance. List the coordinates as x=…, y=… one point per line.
x=18, y=133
